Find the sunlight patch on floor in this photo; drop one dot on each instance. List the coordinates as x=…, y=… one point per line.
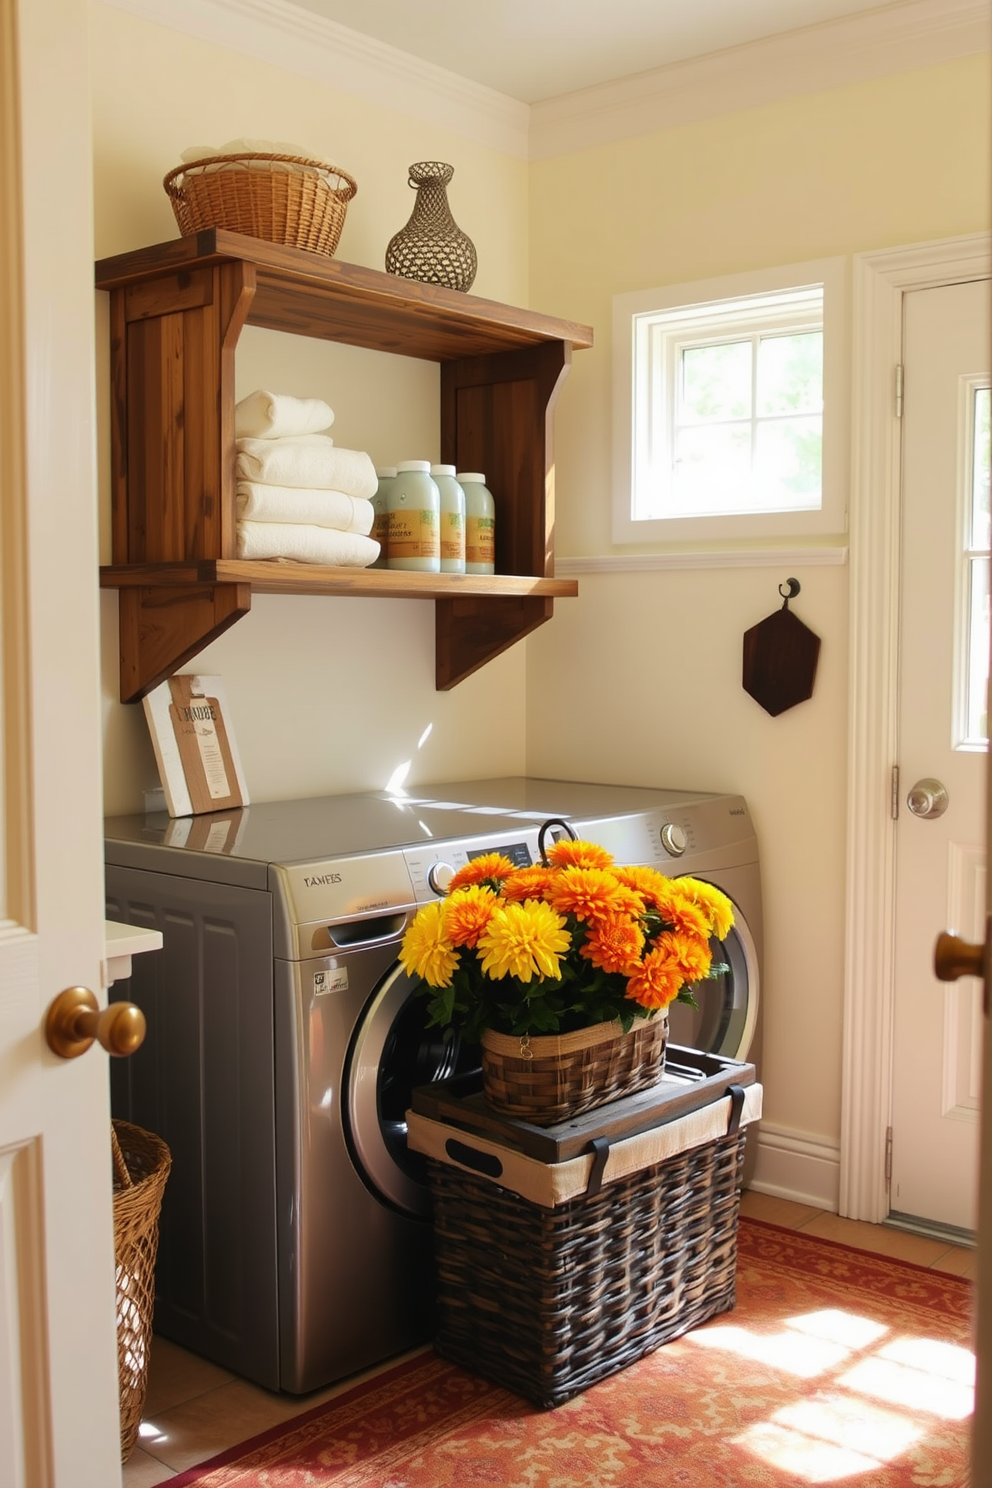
x=796, y=1354
x=851, y=1429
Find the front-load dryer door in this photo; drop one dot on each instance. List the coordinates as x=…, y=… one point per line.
x=727, y=1017
x=392, y=1052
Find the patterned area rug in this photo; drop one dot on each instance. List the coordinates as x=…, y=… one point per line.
x=835, y=1366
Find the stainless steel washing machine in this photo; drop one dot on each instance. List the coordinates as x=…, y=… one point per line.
x=284, y=1040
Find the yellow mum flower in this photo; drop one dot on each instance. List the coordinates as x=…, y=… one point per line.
x=527, y=883
x=614, y=943
x=715, y=906
x=489, y=865
x=657, y=981
x=586, y=893
x=569, y=854
x=524, y=940
x=426, y=951
x=467, y=913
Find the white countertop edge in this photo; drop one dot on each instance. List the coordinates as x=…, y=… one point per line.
x=121, y=942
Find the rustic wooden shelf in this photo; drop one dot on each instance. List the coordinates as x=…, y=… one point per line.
x=310, y=578
x=177, y=310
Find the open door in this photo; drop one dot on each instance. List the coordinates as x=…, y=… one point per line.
x=954, y=958
x=59, y=1422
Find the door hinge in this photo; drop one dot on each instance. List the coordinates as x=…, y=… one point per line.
x=888, y=1156
x=900, y=376
x=894, y=794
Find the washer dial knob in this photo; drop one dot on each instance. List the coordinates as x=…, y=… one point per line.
x=674, y=839
x=439, y=876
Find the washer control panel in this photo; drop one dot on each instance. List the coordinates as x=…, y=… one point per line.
x=674, y=839
x=439, y=876
x=431, y=870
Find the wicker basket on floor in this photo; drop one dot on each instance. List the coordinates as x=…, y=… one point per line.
x=141, y=1166
x=286, y=199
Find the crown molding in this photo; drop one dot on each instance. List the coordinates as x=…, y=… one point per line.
x=287, y=36
x=877, y=43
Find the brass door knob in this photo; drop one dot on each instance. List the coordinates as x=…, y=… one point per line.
x=954, y=957
x=74, y=1021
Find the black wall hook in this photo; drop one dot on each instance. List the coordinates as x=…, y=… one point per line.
x=789, y=590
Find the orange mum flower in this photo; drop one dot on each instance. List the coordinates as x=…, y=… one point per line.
x=693, y=957
x=489, y=865
x=614, y=943
x=715, y=906
x=527, y=883
x=681, y=913
x=467, y=914
x=586, y=893
x=657, y=980
x=646, y=881
x=569, y=854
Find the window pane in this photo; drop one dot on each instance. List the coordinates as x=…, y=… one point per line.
x=788, y=463
x=790, y=374
x=716, y=382
x=978, y=651
x=712, y=470
x=980, y=472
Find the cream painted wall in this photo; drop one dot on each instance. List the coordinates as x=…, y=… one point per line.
x=639, y=680
x=325, y=694
x=334, y=694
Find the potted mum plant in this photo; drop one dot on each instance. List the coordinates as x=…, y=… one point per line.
x=564, y=972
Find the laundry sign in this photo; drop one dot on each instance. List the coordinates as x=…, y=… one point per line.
x=189, y=723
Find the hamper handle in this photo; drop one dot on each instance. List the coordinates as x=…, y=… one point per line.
x=471, y=1157
x=554, y=821
x=121, y=1173
x=736, y=1093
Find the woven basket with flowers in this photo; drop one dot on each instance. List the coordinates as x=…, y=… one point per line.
x=564, y=972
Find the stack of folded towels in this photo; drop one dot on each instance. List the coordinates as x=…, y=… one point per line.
x=300, y=496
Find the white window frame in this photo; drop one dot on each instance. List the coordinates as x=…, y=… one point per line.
x=634, y=395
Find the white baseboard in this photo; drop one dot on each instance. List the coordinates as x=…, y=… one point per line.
x=797, y=1166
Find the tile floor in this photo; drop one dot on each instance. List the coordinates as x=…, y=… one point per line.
x=194, y=1409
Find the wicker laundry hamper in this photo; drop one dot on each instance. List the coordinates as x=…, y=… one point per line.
x=141, y=1166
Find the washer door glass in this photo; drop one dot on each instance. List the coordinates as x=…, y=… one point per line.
x=392, y=1052
x=728, y=1004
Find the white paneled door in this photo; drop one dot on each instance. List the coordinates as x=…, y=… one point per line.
x=943, y=683
x=59, y=1423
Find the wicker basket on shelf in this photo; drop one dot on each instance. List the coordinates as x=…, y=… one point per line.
x=287, y=199
x=552, y=1077
x=141, y=1166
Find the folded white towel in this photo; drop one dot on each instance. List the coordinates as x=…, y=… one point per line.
x=265, y=415
x=319, y=508
x=306, y=544
x=317, y=463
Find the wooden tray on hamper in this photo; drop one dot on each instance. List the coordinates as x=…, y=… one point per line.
x=692, y=1079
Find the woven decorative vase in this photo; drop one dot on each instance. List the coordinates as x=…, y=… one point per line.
x=550, y=1078
x=141, y=1166
x=432, y=247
